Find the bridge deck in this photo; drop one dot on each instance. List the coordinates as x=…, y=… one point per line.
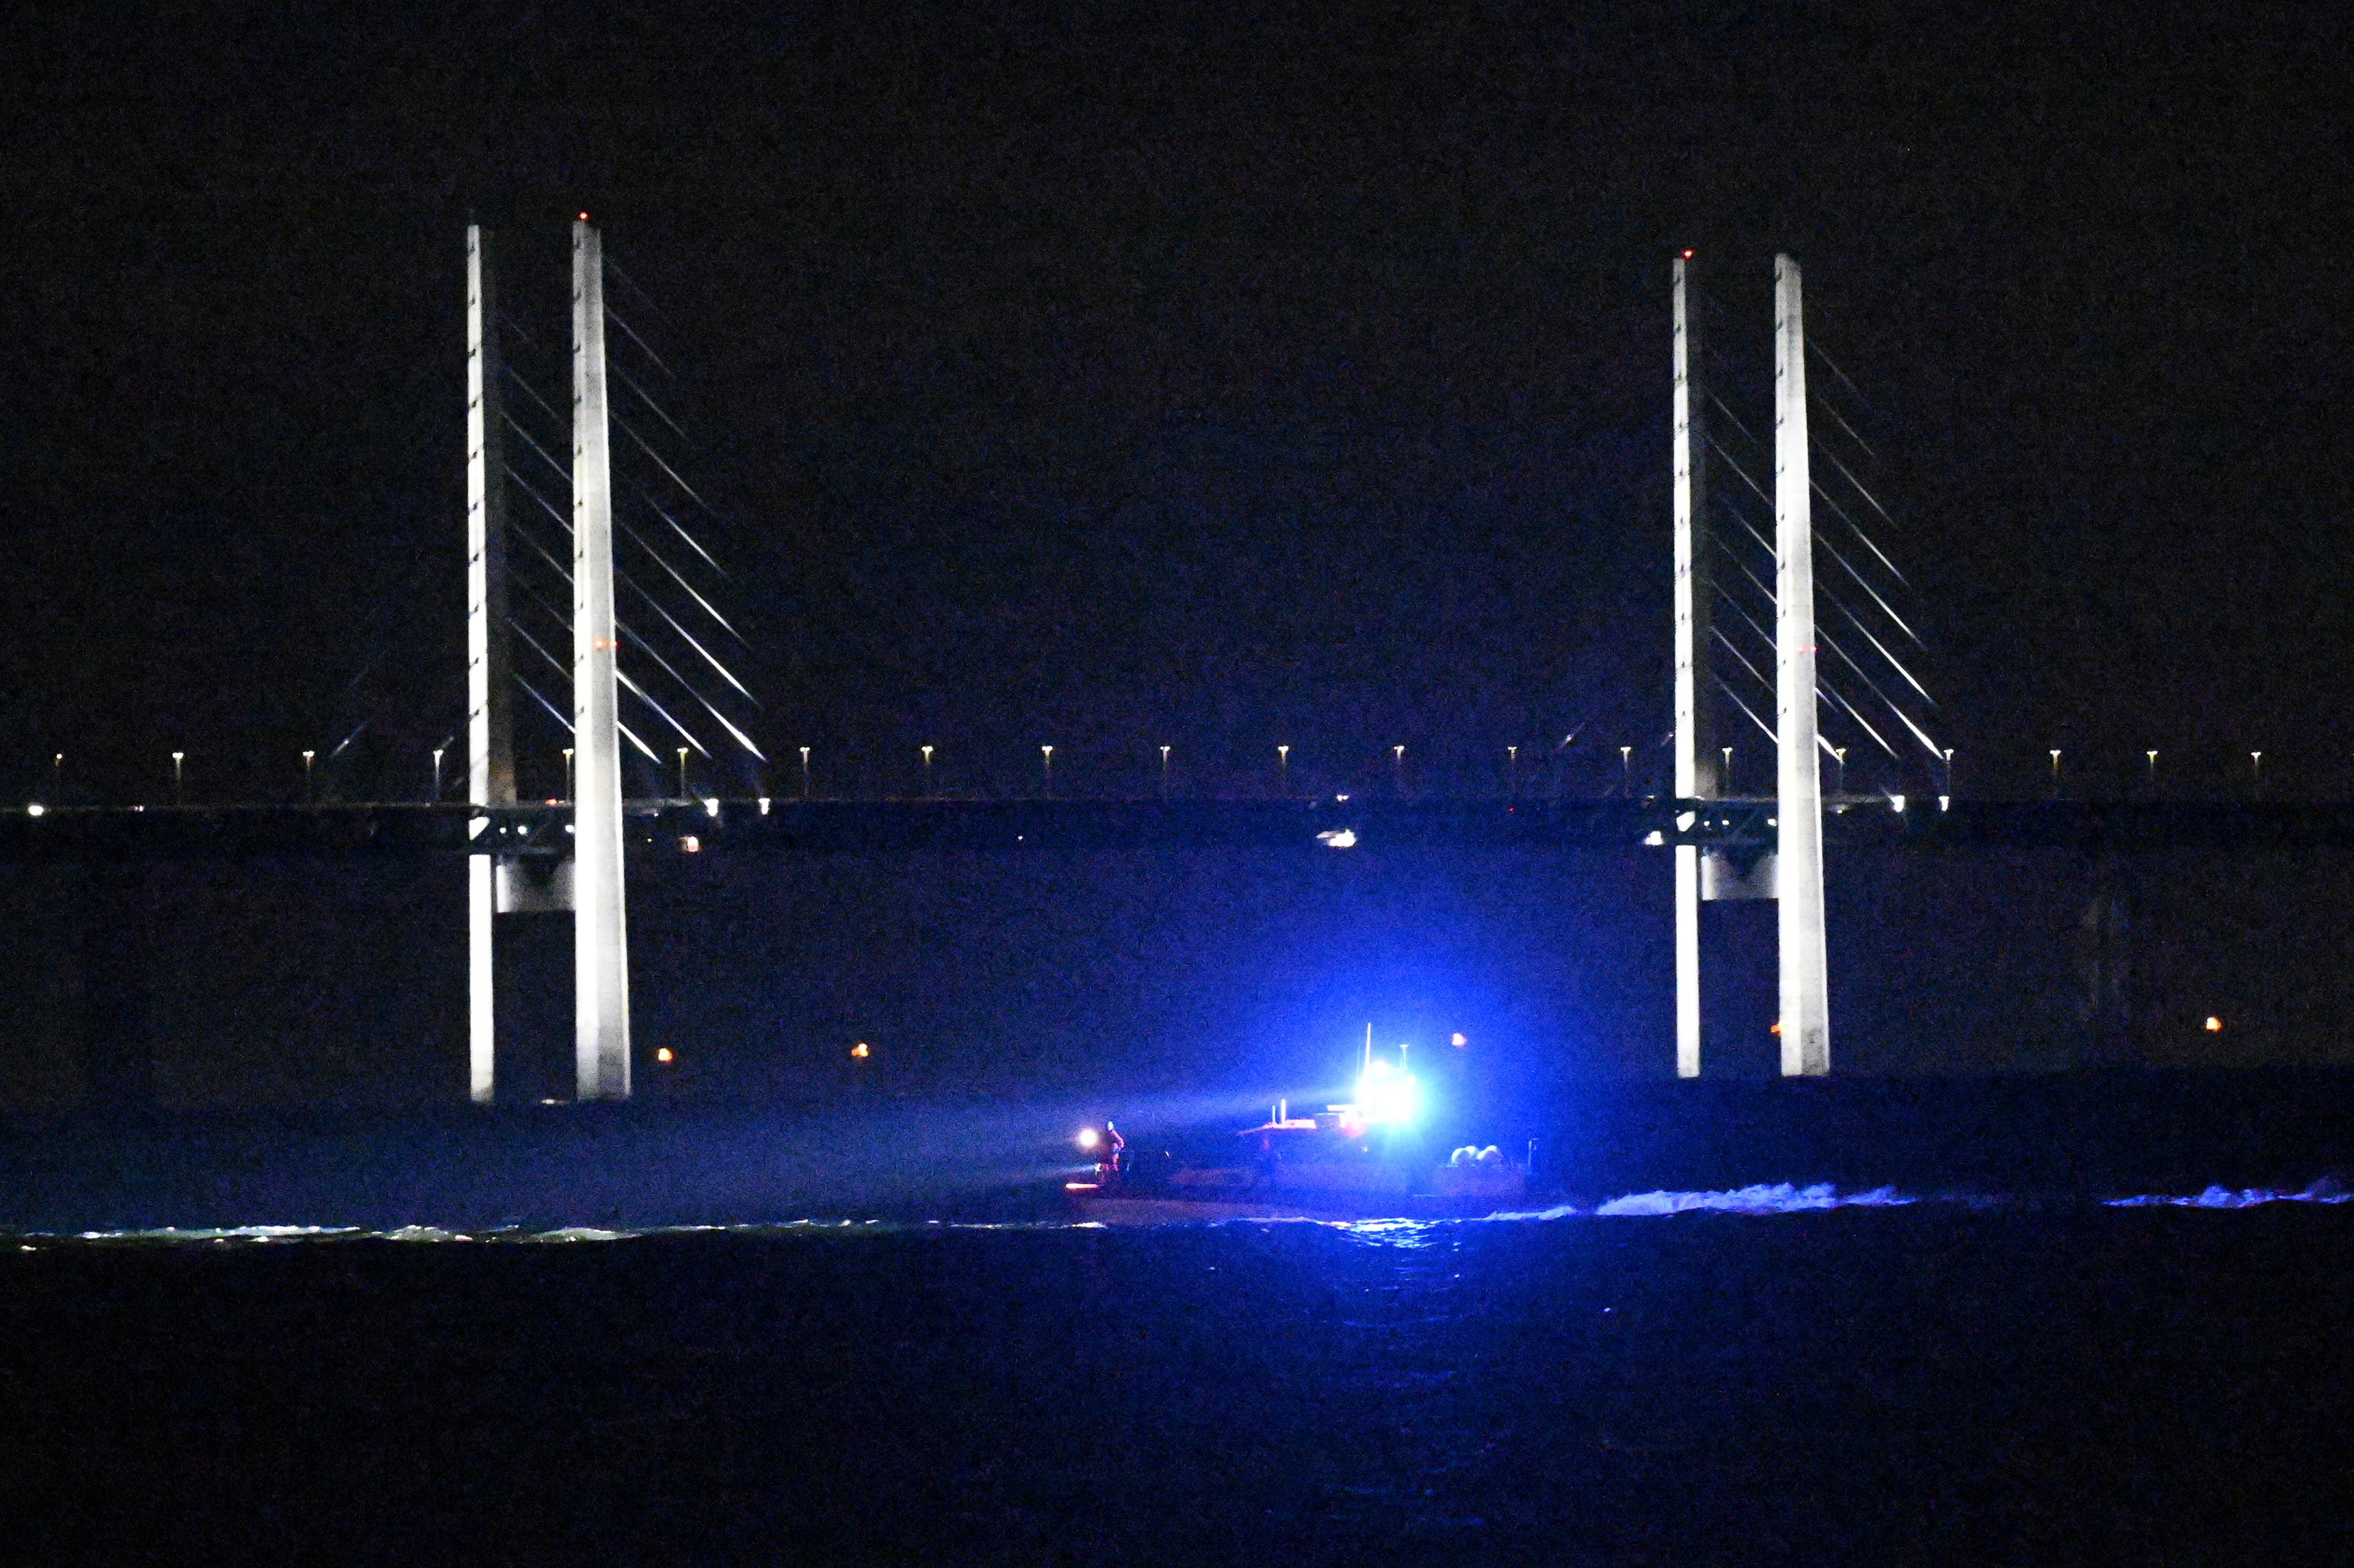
x=345, y=830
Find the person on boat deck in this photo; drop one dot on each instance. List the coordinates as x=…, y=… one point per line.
x=1107, y=1162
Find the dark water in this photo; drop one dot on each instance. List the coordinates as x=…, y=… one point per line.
x=2044, y=1382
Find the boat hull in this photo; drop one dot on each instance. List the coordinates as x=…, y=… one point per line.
x=1205, y=1203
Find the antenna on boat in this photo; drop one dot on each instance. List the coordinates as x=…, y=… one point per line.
x=1368, y=1048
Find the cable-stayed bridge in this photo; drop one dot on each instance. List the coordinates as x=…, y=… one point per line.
x=599, y=628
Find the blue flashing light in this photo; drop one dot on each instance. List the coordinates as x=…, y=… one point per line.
x=1387, y=1095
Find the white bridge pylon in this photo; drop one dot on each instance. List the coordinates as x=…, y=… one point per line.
x=1793, y=873
x=601, y=941
x=590, y=883
x=489, y=731
x=1799, y=772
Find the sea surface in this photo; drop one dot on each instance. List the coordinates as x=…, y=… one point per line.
x=1775, y=1373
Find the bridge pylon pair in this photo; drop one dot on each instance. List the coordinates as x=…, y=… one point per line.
x=1793, y=873
x=590, y=882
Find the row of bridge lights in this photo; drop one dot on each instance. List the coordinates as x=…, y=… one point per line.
x=2255, y=768
x=1046, y=763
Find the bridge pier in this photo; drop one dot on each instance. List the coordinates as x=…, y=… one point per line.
x=115, y=946
x=1798, y=851
x=489, y=743
x=1696, y=755
x=599, y=923
x=589, y=884
x=1792, y=873
x=2104, y=964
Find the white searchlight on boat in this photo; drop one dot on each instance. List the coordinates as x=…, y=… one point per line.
x=1387, y=1095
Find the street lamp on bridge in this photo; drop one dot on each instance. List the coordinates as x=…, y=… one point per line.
x=307, y=758
x=928, y=770
x=1283, y=771
x=178, y=758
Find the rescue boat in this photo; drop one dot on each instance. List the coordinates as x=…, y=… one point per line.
x=1361, y=1159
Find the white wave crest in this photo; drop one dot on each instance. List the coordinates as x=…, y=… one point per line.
x=223, y=1234
x=1558, y=1211
x=1780, y=1198
x=576, y=1233
x=2234, y=1198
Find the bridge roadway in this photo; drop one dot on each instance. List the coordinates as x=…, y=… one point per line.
x=354, y=831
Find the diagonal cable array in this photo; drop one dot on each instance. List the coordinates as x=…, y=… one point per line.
x=1870, y=692
x=677, y=670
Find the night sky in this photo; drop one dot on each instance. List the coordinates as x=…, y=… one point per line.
x=1113, y=377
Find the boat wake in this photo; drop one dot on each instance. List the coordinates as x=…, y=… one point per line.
x=1760, y=1199
x=1780, y=1198
x=2322, y=1192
